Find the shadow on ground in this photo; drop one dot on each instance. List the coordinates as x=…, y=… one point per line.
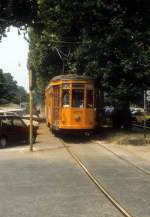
x=17, y=144
x=75, y=137
x=134, y=137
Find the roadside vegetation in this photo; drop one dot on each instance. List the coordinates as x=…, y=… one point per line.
x=123, y=138
x=108, y=40
x=10, y=92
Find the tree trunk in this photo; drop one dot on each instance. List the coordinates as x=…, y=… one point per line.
x=121, y=117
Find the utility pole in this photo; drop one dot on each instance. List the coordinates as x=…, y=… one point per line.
x=20, y=100
x=146, y=101
x=144, y=114
x=31, y=110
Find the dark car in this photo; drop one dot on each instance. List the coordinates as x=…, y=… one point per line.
x=13, y=129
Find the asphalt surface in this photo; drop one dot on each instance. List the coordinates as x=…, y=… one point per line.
x=124, y=180
x=47, y=183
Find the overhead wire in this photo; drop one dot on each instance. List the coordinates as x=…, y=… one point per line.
x=69, y=42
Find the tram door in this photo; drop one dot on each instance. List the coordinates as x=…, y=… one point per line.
x=56, y=105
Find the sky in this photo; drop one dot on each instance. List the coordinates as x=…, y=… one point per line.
x=13, y=57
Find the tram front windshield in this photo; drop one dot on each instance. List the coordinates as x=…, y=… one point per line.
x=78, y=98
x=65, y=94
x=65, y=98
x=78, y=94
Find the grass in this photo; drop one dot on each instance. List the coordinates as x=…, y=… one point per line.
x=134, y=137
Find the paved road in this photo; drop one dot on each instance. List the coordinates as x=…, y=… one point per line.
x=129, y=185
x=47, y=183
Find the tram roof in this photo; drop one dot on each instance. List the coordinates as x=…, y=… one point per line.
x=72, y=77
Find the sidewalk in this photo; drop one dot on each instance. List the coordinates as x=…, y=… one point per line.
x=46, y=140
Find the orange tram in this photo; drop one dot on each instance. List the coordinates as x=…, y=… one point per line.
x=70, y=103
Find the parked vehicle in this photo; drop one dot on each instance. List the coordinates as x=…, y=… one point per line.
x=3, y=112
x=138, y=117
x=25, y=118
x=27, y=122
x=11, y=111
x=13, y=129
x=34, y=117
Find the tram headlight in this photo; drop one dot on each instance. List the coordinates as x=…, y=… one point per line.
x=77, y=118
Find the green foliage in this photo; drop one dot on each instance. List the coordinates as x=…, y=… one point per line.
x=10, y=88
x=114, y=44
x=43, y=60
x=2, y=84
x=21, y=94
x=22, y=14
x=113, y=35
x=9, y=91
x=108, y=40
x=19, y=13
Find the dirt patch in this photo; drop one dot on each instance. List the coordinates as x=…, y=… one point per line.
x=134, y=137
x=136, y=140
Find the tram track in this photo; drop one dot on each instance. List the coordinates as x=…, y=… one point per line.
x=97, y=182
x=140, y=126
x=124, y=159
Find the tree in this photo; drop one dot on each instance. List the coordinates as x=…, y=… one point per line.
x=22, y=14
x=2, y=85
x=9, y=90
x=19, y=13
x=113, y=43
x=21, y=95
x=43, y=59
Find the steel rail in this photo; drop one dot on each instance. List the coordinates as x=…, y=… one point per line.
x=99, y=185
x=140, y=126
x=122, y=158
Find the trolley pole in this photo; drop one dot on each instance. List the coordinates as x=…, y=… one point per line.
x=31, y=111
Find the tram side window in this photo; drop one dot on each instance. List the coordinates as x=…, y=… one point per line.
x=78, y=98
x=65, y=98
x=89, y=100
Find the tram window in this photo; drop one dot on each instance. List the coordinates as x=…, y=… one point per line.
x=77, y=98
x=65, y=86
x=90, y=86
x=65, y=98
x=89, y=99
